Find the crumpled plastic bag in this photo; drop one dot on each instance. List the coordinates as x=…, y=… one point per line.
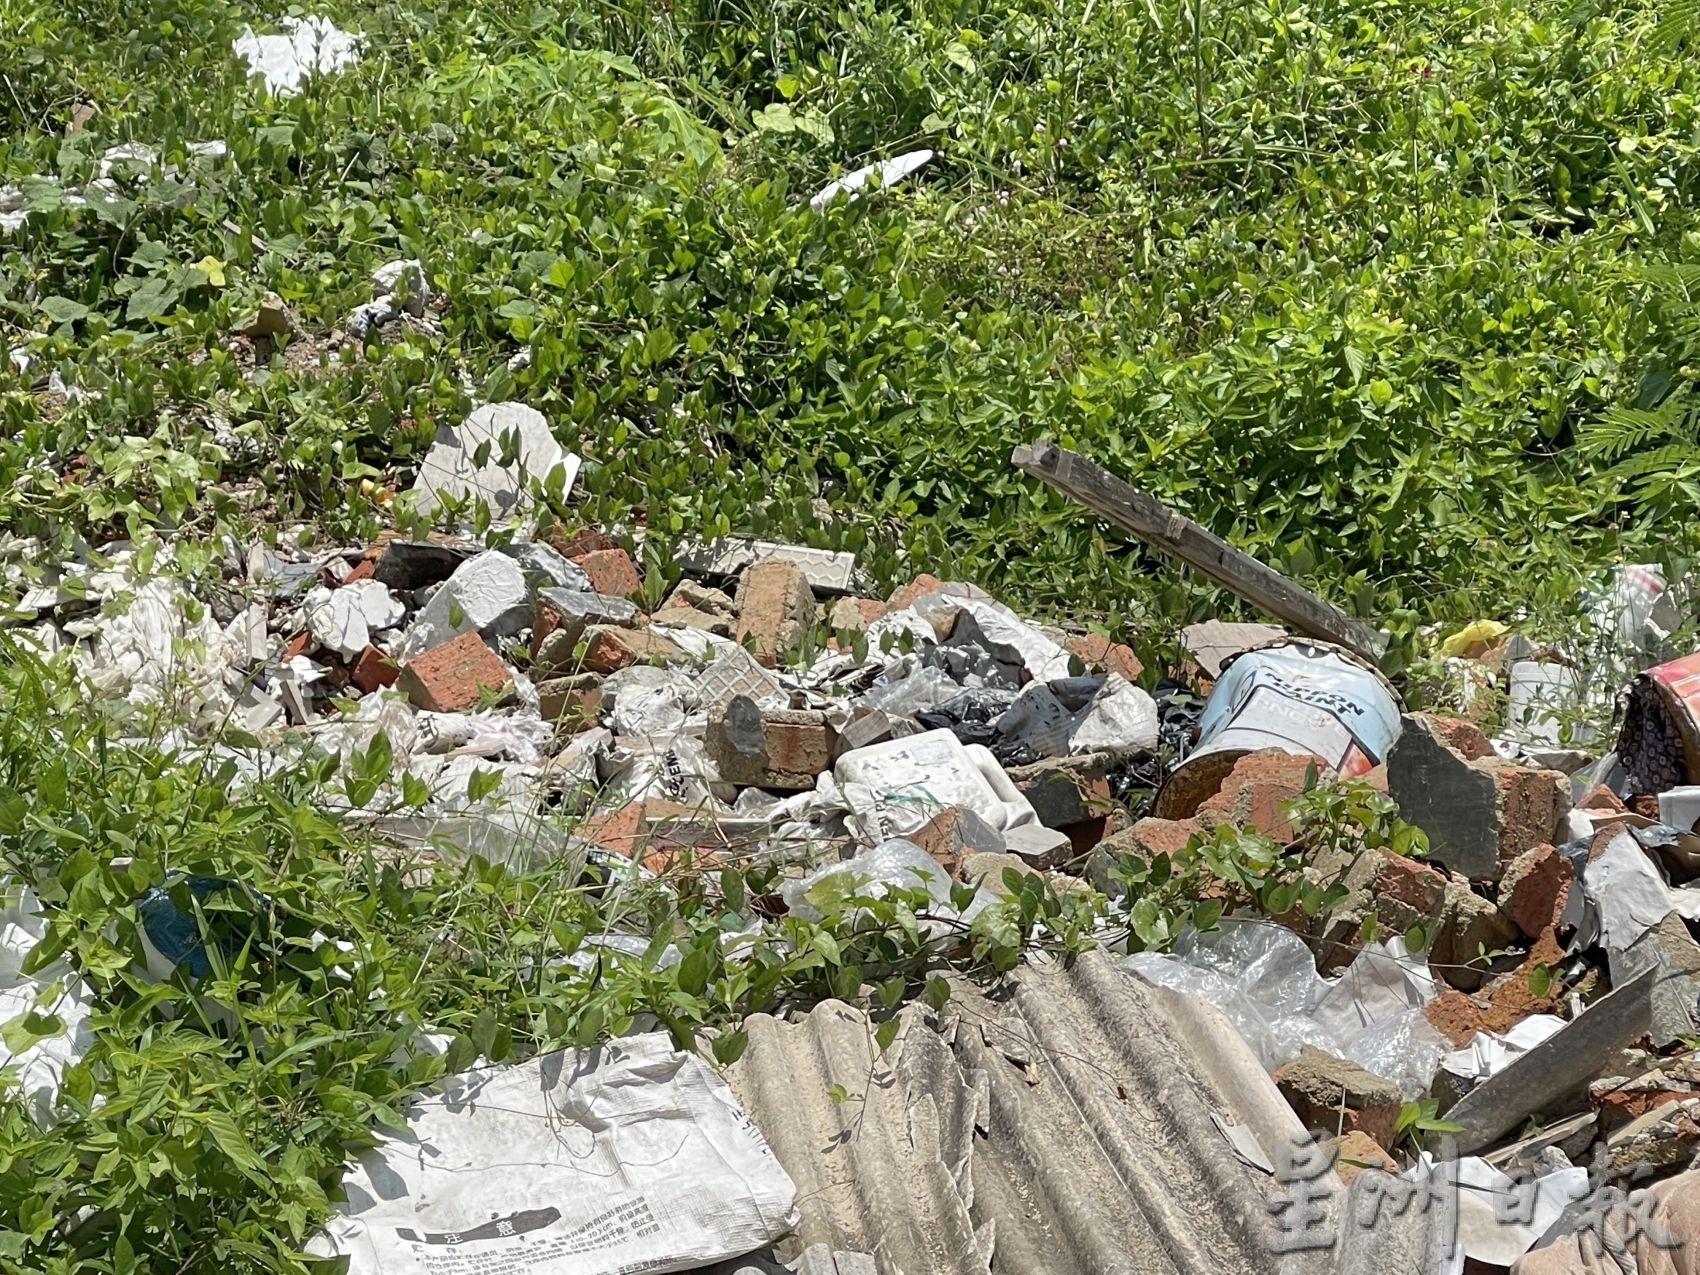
x=512, y=735
x=894, y=863
x=645, y=701
x=38, y=1067
x=1052, y=719
x=678, y=769
x=1263, y=978
x=152, y=654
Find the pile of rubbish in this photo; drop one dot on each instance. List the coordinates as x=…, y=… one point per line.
x=1536, y=965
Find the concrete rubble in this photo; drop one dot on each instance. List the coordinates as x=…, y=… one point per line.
x=1501, y=933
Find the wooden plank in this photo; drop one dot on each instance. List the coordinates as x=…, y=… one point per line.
x=1148, y=518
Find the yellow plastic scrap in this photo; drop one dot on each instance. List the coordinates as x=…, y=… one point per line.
x=1473, y=639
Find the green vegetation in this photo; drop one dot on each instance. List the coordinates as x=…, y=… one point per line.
x=1398, y=296
x=1364, y=288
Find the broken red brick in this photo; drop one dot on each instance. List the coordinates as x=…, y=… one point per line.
x=1410, y=882
x=585, y=540
x=854, y=615
x=453, y=676
x=372, y=670
x=904, y=595
x=608, y=650
x=612, y=573
x=1531, y=803
x=1096, y=650
x=1535, y=889
x=297, y=645
x=363, y=570
x=1602, y=798
x=1254, y=791
x=1356, y=1151
x=775, y=608
x=1463, y=736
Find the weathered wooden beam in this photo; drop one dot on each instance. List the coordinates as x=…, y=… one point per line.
x=1145, y=516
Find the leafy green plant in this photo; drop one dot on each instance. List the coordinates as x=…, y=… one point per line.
x=1417, y=1120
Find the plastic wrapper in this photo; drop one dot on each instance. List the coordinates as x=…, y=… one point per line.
x=678, y=769
x=891, y=864
x=38, y=1066
x=1072, y=716
x=1263, y=978
x=646, y=701
x=915, y=690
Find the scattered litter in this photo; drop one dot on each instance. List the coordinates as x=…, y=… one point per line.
x=49, y=1007
x=517, y=449
x=894, y=788
x=308, y=45
x=889, y=172
x=630, y=1156
x=1263, y=978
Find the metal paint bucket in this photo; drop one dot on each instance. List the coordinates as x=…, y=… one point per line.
x=1298, y=695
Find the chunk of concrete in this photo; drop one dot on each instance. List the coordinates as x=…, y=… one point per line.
x=1669, y=951
x=486, y=594
x=473, y=459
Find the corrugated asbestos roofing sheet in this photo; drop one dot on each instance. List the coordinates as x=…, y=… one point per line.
x=1063, y=1126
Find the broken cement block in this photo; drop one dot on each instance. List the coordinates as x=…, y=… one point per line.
x=986, y=869
x=1618, y=1100
x=775, y=610
x=1671, y=952
x=769, y=748
x=1065, y=790
x=454, y=675
x=454, y=469
x=612, y=573
x=1657, y=1142
x=871, y=726
x=487, y=594
x=1040, y=846
x=1535, y=888
x=734, y=671
x=545, y=568
x=569, y=614
x=1461, y=735
x=1479, y=815
x=608, y=650
x=1337, y=1096
x=691, y=618
x=1214, y=642
x=701, y=597
x=824, y=570
x=1469, y=926
x=343, y=620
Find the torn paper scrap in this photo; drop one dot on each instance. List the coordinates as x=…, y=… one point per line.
x=631, y=1156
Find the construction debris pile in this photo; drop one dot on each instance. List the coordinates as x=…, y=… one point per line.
x=1527, y=989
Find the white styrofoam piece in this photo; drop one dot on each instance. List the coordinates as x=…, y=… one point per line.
x=896, y=786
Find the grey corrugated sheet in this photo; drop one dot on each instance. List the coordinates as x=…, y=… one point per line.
x=1063, y=1127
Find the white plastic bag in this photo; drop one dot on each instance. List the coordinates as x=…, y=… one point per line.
x=1263, y=978
x=895, y=863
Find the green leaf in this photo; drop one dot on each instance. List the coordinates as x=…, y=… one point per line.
x=1149, y=924
x=693, y=972
x=1416, y=938
x=481, y=783
x=30, y=1028
x=729, y=1046
x=885, y=1033
x=1540, y=981
x=153, y=299
x=226, y=1134
x=62, y=309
